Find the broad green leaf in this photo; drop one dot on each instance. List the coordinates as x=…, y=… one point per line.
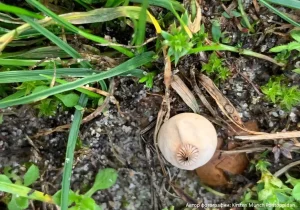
x=275, y=181
x=264, y=194
x=166, y=35
x=73, y=197
x=85, y=203
x=21, y=202
x=31, y=175
x=272, y=199
x=293, y=46
x=296, y=71
x=143, y=79
x=293, y=181
x=235, y=13
x=40, y=88
x=296, y=35
x=1, y=119
x=216, y=31
x=69, y=100
x=104, y=179
x=12, y=205
x=296, y=192
x=279, y=48
x=4, y=178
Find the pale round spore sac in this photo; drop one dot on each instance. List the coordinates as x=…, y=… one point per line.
x=187, y=140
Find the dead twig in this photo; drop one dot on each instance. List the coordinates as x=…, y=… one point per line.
x=256, y=6
x=224, y=104
x=285, y=168
x=271, y=136
x=184, y=92
x=249, y=150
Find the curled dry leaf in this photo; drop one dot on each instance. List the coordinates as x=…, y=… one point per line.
x=195, y=25
x=224, y=104
x=184, y=92
x=214, y=173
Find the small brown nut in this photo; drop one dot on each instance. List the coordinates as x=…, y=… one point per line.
x=187, y=140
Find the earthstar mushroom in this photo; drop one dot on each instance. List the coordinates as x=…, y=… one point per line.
x=187, y=140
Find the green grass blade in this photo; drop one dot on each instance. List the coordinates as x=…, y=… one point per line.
x=294, y=4
x=86, y=6
x=81, y=90
x=97, y=15
x=103, y=15
x=20, y=62
x=19, y=11
x=73, y=28
x=56, y=40
x=280, y=14
x=25, y=192
x=245, y=17
x=26, y=76
x=167, y=4
x=124, y=67
x=73, y=135
x=38, y=53
x=141, y=26
x=15, y=95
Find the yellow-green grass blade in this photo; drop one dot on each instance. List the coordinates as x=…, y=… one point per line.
x=63, y=45
x=97, y=15
x=73, y=28
x=26, y=76
x=25, y=192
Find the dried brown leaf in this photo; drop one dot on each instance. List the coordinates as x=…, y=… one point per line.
x=224, y=104
x=184, y=92
x=6, y=38
x=214, y=172
x=195, y=25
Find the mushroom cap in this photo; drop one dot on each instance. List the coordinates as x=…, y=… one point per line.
x=187, y=140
